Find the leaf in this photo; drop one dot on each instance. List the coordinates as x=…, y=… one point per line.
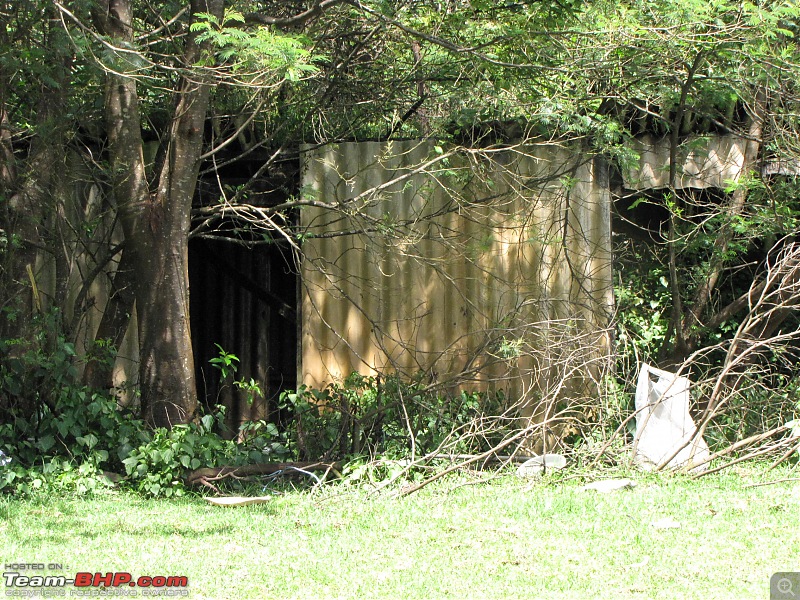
x=233, y=15
x=207, y=421
x=207, y=17
x=89, y=440
x=130, y=464
x=46, y=442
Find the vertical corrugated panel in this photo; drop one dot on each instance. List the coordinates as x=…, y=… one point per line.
x=433, y=272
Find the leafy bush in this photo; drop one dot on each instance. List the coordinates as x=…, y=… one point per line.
x=386, y=417
x=59, y=434
x=158, y=467
x=62, y=436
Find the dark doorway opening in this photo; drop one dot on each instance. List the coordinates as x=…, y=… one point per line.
x=245, y=300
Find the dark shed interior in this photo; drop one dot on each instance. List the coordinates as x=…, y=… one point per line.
x=244, y=299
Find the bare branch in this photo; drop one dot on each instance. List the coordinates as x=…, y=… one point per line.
x=257, y=18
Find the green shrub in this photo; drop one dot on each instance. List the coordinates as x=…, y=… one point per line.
x=66, y=437
x=386, y=417
x=158, y=467
x=59, y=434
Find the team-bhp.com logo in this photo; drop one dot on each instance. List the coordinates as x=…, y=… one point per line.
x=30, y=584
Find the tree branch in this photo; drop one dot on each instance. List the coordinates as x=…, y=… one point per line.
x=735, y=208
x=257, y=18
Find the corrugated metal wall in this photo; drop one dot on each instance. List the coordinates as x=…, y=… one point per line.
x=476, y=268
x=86, y=228
x=703, y=162
x=490, y=269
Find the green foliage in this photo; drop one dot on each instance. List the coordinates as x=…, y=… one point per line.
x=643, y=301
x=68, y=446
x=59, y=434
x=62, y=436
x=54, y=475
x=386, y=417
x=35, y=370
x=252, y=389
x=263, y=441
x=158, y=467
x=259, y=54
x=225, y=362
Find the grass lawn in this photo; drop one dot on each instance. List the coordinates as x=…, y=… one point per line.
x=669, y=537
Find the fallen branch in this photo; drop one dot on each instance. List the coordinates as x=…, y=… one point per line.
x=206, y=475
x=495, y=458
x=762, y=484
x=473, y=459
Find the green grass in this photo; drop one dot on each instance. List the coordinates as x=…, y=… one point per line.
x=505, y=539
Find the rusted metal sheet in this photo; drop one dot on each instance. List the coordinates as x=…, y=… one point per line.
x=471, y=268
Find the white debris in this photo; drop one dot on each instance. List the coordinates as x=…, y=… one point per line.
x=538, y=464
x=605, y=486
x=665, y=432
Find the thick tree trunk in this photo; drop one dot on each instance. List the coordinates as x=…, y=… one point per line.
x=156, y=222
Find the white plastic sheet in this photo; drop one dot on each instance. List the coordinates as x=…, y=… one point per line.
x=664, y=429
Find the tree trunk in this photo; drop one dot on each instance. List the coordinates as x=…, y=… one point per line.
x=702, y=297
x=156, y=223
x=114, y=323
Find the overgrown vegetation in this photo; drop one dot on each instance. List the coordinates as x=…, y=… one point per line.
x=377, y=431
x=79, y=440
x=707, y=282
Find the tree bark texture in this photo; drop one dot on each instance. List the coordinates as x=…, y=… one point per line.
x=156, y=222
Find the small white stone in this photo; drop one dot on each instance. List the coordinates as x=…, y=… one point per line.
x=609, y=485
